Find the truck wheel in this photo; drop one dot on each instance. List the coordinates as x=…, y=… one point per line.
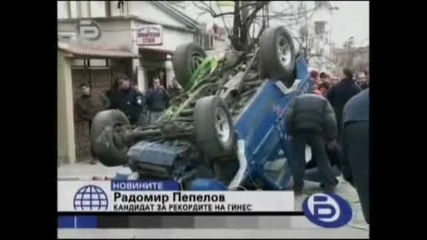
x=214, y=127
x=277, y=55
x=104, y=142
x=186, y=58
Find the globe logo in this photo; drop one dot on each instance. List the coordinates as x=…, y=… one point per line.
x=90, y=197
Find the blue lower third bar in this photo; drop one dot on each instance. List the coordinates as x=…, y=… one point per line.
x=78, y=222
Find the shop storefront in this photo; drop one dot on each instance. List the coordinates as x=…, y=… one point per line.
x=98, y=67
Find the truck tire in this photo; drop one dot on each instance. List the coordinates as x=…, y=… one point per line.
x=277, y=55
x=109, y=152
x=186, y=58
x=214, y=127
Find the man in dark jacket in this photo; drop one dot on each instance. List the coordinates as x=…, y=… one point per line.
x=88, y=105
x=128, y=100
x=142, y=119
x=334, y=154
x=355, y=147
x=110, y=93
x=340, y=93
x=157, y=100
x=311, y=121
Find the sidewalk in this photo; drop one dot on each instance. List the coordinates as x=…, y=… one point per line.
x=85, y=171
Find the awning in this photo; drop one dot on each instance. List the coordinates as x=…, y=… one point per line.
x=94, y=52
x=156, y=49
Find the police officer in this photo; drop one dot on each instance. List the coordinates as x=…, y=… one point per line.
x=142, y=119
x=128, y=100
x=311, y=121
x=355, y=147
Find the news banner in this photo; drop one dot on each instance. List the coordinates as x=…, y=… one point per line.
x=85, y=204
x=164, y=196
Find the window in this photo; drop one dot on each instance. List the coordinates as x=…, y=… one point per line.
x=84, y=9
x=319, y=28
x=74, y=11
x=63, y=10
x=119, y=8
x=98, y=8
x=205, y=40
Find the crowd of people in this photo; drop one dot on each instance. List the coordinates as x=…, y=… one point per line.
x=334, y=121
x=323, y=81
x=140, y=108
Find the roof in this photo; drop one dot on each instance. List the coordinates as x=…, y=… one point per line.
x=94, y=52
x=177, y=14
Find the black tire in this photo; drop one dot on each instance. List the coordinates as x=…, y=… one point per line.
x=270, y=59
x=183, y=61
x=205, y=118
x=104, y=147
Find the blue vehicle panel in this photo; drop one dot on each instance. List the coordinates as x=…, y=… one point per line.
x=261, y=125
x=261, y=133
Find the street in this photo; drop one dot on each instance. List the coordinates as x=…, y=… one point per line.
x=173, y=88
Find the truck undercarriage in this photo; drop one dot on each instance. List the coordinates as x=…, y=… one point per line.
x=199, y=136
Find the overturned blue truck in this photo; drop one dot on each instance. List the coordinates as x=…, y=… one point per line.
x=226, y=131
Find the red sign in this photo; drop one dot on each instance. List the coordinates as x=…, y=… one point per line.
x=150, y=35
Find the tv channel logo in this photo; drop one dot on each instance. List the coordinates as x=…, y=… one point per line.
x=327, y=210
x=90, y=197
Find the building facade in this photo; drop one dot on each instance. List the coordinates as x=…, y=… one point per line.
x=309, y=24
x=354, y=58
x=119, y=22
x=98, y=40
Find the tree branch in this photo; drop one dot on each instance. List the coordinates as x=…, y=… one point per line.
x=209, y=9
x=223, y=21
x=212, y=12
x=250, y=17
x=244, y=16
x=236, y=27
